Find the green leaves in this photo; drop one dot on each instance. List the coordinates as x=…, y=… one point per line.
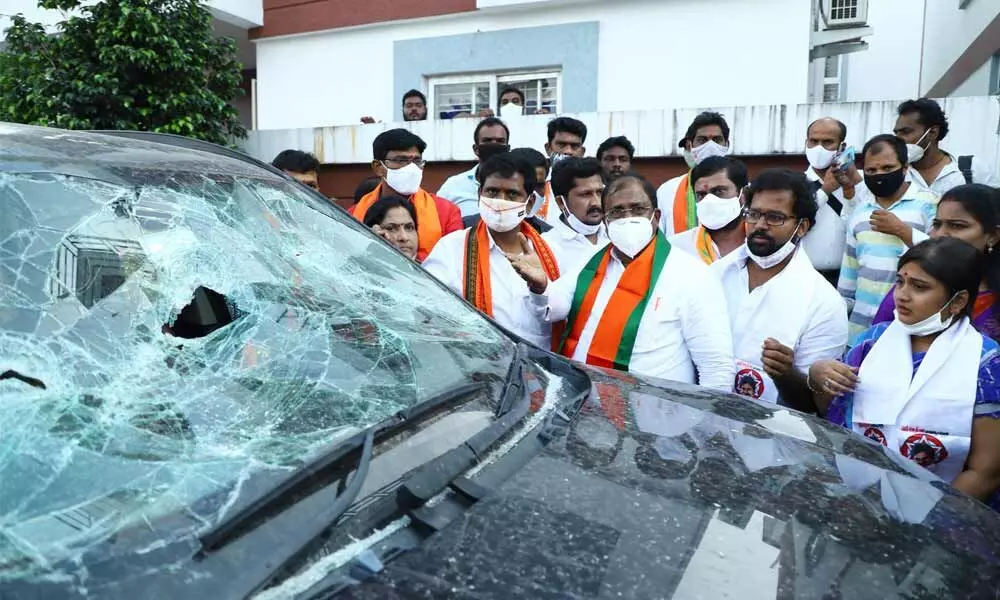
x=151, y=65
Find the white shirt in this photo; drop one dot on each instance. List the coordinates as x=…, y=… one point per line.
x=665, y=201
x=446, y=262
x=463, y=191
x=571, y=248
x=684, y=327
x=688, y=242
x=827, y=238
x=950, y=176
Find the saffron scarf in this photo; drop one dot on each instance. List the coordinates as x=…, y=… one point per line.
x=703, y=244
x=685, y=215
x=616, y=331
x=543, y=212
x=428, y=221
x=476, y=281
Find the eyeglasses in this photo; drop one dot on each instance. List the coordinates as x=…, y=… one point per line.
x=623, y=212
x=774, y=219
x=399, y=163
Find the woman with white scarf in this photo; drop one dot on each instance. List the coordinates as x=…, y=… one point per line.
x=926, y=384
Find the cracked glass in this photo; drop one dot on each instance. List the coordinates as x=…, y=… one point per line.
x=172, y=323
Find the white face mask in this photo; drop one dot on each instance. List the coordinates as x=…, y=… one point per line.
x=630, y=235
x=773, y=260
x=819, y=157
x=929, y=326
x=914, y=152
x=511, y=110
x=708, y=149
x=715, y=213
x=502, y=215
x=406, y=180
x=576, y=224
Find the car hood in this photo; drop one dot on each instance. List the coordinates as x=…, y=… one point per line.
x=668, y=491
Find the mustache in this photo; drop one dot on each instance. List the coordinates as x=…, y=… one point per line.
x=760, y=235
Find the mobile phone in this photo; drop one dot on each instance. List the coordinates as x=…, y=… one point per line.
x=846, y=158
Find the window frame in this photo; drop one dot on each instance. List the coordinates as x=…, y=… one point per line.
x=495, y=79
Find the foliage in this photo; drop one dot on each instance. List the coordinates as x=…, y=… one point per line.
x=151, y=65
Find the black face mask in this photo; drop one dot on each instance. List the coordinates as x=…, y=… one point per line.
x=488, y=151
x=885, y=185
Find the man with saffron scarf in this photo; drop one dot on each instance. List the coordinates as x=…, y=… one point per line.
x=708, y=135
x=717, y=183
x=474, y=262
x=400, y=166
x=638, y=306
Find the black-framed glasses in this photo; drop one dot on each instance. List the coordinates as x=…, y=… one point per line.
x=773, y=219
x=399, y=163
x=623, y=212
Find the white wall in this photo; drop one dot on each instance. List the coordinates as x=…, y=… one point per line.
x=949, y=32
x=978, y=84
x=890, y=67
x=653, y=53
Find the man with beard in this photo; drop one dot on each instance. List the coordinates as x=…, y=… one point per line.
x=489, y=139
x=784, y=315
x=616, y=154
x=717, y=183
x=577, y=185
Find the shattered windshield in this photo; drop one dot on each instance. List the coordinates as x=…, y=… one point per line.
x=164, y=334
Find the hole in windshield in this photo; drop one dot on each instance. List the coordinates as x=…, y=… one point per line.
x=208, y=311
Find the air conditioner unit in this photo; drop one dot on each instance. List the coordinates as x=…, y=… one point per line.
x=844, y=13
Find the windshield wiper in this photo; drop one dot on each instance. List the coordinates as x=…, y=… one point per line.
x=302, y=482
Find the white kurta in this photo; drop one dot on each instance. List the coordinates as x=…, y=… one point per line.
x=684, y=333
x=446, y=262
x=688, y=242
x=927, y=418
x=665, y=201
x=572, y=249
x=797, y=307
x=827, y=238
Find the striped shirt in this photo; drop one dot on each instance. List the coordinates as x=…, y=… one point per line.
x=869, y=267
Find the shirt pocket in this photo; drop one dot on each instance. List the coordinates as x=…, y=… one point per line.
x=660, y=326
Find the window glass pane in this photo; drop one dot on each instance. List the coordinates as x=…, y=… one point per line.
x=530, y=89
x=460, y=99
x=831, y=92
x=832, y=66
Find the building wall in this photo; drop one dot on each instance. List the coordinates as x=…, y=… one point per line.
x=978, y=84
x=650, y=54
x=948, y=33
x=890, y=67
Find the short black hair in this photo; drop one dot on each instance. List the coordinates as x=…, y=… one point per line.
x=415, y=94
x=778, y=180
x=735, y=170
x=616, y=142
x=883, y=139
x=956, y=264
x=507, y=164
x=367, y=186
x=567, y=125
x=509, y=89
x=630, y=177
x=706, y=118
x=929, y=114
x=377, y=211
x=534, y=157
x=567, y=171
x=840, y=124
x=396, y=139
x=295, y=161
x=489, y=122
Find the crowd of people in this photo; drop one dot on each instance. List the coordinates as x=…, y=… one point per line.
x=862, y=288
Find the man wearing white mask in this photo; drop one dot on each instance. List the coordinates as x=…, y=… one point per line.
x=717, y=183
x=708, y=135
x=577, y=185
x=836, y=188
x=784, y=315
x=922, y=124
x=474, y=262
x=637, y=306
x=399, y=164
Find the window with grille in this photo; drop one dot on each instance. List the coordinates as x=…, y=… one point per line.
x=843, y=10
x=466, y=95
x=831, y=92
x=831, y=69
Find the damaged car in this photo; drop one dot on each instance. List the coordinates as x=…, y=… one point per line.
x=215, y=384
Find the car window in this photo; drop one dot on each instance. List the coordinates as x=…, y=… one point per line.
x=190, y=329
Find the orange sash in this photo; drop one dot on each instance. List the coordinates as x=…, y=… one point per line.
x=476, y=280
x=544, y=210
x=703, y=244
x=428, y=222
x=684, y=211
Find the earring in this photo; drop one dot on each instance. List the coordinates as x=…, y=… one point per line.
x=989, y=249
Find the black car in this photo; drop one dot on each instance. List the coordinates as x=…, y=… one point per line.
x=214, y=384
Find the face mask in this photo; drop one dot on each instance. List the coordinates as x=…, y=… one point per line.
x=819, y=157
x=885, y=184
x=511, y=110
x=715, y=213
x=928, y=326
x=502, y=215
x=708, y=149
x=914, y=152
x=576, y=224
x=488, y=151
x=406, y=181
x=630, y=235
x=775, y=258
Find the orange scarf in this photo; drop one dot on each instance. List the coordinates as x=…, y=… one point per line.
x=703, y=244
x=684, y=212
x=614, y=338
x=544, y=210
x=476, y=280
x=428, y=222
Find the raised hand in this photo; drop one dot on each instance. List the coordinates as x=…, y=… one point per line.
x=528, y=266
